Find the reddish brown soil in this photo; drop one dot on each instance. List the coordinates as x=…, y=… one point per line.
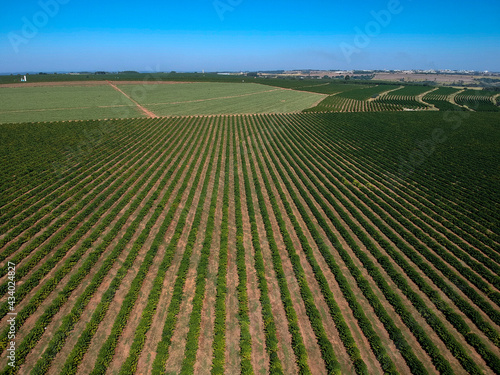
x=285, y=353
x=177, y=350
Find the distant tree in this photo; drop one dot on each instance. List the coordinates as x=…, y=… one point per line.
x=326, y=77
x=347, y=78
x=173, y=72
x=252, y=74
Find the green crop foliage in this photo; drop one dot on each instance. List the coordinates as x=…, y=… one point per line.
x=380, y=229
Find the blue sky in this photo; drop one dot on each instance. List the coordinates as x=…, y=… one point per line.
x=195, y=35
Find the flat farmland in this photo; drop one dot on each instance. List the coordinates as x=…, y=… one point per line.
x=219, y=98
x=57, y=103
x=105, y=100
x=308, y=243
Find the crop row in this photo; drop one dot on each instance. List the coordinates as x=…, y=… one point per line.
x=106, y=351
x=219, y=341
x=192, y=339
x=27, y=171
x=162, y=349
x=436, y=187
x=55, y=214
x=69, y=243
x=336, y=103
x=328, y=354
x=403, y=101
x=335, y=313
x=395, y=334
x=293, y=325
x=243, y=317
x=130, y=364
x=400, y=245
x=270, y=331
x=421, y=336
x=73, y=169
x=84, y=270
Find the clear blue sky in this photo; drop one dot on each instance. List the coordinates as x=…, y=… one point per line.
x=192, y=35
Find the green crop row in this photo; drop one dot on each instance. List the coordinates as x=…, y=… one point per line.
x=438, y=360
x=344, y=331
x=107, y=350
x=50, y=285
x=367, y=93
x=328, y=354
x=275, y=366
x=90, y=199
x=50, y=213
x=394, y=332
x=403, y=101
x=192, y=339
x=69, y=243
x=440, y=239
x=130, y=364
x=293, y=326
x=71, y=319
x=162, y=349
x=27, y=173
x=77, y=278
x=452, y=259
x=453, y=318
x=442, y=188
x=219, y=341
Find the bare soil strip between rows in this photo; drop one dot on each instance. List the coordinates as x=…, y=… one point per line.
x=51, y=273
x=285, y=353
x=443, y=319
x=204, y=355
x=232, y=360
x=388, y=307
x=116, y=175
x=177, y=349
x=79, y=176
x=66, y=308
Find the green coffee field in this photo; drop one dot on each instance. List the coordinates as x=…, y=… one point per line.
x=306, y=243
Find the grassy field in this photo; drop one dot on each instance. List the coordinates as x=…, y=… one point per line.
x=22, y=104
x=219, y=98
x=311, y=243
